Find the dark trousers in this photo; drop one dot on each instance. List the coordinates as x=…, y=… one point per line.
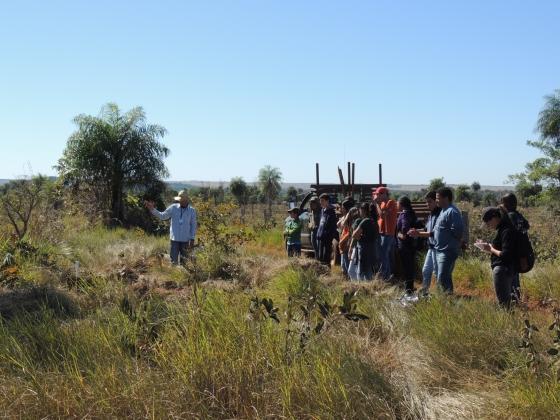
x=325, y=251
x=294, y=250
x=408, y=261
x=503, y=279
x=516, y=287
x=315, y=242
x=178, y=249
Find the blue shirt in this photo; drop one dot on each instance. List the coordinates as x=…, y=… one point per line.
x=448, y=231
x=431, y=224
x=183, y=222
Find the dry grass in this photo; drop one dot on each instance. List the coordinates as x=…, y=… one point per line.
x=134, y=337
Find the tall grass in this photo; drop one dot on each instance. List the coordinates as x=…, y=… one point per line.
x=99, y=248
x=474, y=275
x=106, y=347
x=542, y=283
x=168, y=360
x=473, y=334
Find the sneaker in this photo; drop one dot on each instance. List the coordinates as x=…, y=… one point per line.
x=410, y=297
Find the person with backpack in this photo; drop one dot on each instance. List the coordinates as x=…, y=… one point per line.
x=430, y=263
x=406, y=244
x=502, y=253
x=365, y=235
x=525, y=256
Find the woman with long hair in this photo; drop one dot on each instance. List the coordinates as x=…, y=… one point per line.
x=365, y=235
x=346, y=237
x=405, y=243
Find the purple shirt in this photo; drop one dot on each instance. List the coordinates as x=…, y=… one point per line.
x=405, y=222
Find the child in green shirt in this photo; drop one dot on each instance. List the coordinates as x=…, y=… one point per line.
x=292, y=233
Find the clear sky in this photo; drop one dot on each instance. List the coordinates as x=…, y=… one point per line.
x=428, y=88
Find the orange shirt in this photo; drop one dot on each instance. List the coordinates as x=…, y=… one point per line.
x=388, y=218
x=344, y=242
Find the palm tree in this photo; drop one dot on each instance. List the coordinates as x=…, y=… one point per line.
x=114, y=152
x=269, y=181
x=548, y=124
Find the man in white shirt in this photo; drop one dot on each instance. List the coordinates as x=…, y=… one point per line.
x=182, y=229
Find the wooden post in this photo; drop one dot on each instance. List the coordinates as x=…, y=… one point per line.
x=341, y=177
x=350, y=176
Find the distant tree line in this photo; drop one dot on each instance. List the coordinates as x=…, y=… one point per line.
x=115, y=160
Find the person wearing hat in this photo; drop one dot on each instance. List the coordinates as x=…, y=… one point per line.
x=183, y=226
x=292, y=233
x=502, y=252
x=314, y=221
x=387, y=221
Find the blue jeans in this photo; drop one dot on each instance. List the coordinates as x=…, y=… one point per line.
x=294, y=250
x=344, y=263
x=430, y=267
x=446, y=264
x=385, y=255
x=178, y=249
x=353, y=265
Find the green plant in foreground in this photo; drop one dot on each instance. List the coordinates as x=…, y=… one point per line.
x=528, y=345
x=307, y=319
x=554, y=351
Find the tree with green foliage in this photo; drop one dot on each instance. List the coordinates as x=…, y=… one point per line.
x=217, y=194
x=542, y=176
x=269, y=182
x=435, y=184
x=20, y=198
x=253, y=196
x=462, y=193
x=476, y=196
x=475, y=186
x=291, y=194
x=490, y=198
x=239, y=190
x=114, y=152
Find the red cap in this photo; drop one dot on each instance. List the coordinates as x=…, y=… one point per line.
x=381, y=190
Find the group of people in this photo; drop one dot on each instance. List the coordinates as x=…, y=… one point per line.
x=370, y=234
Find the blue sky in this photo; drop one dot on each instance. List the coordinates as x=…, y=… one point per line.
x=429, y=89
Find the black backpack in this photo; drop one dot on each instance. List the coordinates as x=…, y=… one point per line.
x=525, y=256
